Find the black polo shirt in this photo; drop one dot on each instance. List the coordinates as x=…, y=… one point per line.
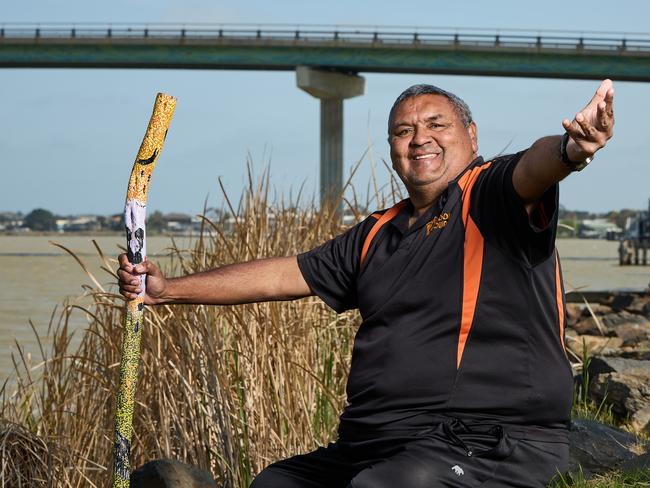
x=463, y=312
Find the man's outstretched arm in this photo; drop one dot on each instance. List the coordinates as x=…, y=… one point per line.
x=542, y=166
x=253, y=281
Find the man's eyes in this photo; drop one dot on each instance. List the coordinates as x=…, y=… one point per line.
x=408, y=130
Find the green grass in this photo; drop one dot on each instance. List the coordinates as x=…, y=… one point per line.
x=636, y=479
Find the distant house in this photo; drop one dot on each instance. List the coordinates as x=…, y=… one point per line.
x=178, y=223
x=79, y=223
x=11, y=221
x=115, y=222
x=597, y=229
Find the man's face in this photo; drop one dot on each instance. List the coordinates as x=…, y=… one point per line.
x=429, y=144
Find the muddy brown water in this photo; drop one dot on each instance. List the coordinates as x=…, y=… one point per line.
x=36, y=276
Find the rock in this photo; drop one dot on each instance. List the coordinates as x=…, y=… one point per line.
x=622, y=301
x=598, y=448
x=586, y=325
x=169, y=473
x=646, y=310
x=596, y=308
x=641, y=352
x=625, y=385
x=573, y=312
x=594, y=345
x=610, y=321
x=631, y=334
x=641, y=419
x=639, y=305
x=600, y=364
x=637, y=463
x=628, y=393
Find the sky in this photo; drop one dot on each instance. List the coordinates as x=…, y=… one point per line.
x=68, y=138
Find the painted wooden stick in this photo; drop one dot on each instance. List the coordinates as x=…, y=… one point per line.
x=134, y=217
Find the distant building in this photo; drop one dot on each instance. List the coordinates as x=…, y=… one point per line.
x=598, y=229
x=11, y=221
x=178, y=223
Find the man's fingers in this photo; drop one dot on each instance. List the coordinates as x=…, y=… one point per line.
x=123, y=260
x=126, y=277
x=588, y=130
x=604, y=87
x=131, y=288
x=602, y=91
x=573, y=129
x=609, y=102
x=604, y=119
x=129, y=296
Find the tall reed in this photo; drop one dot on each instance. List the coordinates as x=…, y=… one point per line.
x=229, y=389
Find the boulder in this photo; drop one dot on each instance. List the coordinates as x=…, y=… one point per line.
x=646, y=310
x=597, y=309
x=573, y=312
x=637, y=463
x=597, y=448
x=641, y=352
x=621, y=301
x=639, y=305
x=169, y=473
x=610, y=321
x=586, y=325
x=632, y=334
x=600, y=345
x=624, y=384
x=602, y=364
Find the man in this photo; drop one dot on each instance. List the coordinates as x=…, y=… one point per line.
x=458, y=375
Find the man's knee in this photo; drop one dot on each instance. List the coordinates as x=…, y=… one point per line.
x=272, y=477
x=416, y=476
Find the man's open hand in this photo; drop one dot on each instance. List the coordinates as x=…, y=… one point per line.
x=593, y=126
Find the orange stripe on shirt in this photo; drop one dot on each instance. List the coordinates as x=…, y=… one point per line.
x=472, y=260
x=386, y=217
x=558, y=297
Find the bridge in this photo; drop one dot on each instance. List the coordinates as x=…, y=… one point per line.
x=327, y=59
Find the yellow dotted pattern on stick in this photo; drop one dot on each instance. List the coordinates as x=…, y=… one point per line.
x=138, y=187
x=151, y=148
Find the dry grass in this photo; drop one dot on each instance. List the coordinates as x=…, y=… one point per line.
x=225, y=388
x=229, y=389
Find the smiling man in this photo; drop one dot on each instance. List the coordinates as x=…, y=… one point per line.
x=458, y=374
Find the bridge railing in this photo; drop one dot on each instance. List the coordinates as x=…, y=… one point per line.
x=375, y=36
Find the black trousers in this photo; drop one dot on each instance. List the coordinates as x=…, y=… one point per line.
x=451, y=454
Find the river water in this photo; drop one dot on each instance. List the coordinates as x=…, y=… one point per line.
x=36, y=276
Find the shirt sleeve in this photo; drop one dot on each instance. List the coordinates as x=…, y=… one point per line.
x=501, y=216
x=331, y=270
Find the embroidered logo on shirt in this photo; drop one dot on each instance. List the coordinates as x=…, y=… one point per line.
x=458, y=471
x=437, y=222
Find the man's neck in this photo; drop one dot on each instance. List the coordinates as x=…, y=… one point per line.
x=422, y=203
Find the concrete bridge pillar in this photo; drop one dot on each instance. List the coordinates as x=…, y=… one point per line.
x=331, y=88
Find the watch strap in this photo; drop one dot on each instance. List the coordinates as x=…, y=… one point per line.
x=571, y=165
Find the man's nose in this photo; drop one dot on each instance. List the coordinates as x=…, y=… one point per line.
x=421, y=136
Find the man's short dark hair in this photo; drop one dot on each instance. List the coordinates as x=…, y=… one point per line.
x=462, y=109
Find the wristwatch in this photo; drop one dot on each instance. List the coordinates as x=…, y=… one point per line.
x=572, y=165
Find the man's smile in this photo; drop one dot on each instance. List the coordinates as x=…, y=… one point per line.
x=424, y=156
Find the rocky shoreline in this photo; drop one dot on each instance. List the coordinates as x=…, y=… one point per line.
x=612, y=336
x=608, y=342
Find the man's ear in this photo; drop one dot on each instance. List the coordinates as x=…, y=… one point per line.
x=473, y=134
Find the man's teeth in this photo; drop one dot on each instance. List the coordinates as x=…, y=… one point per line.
x=422, y=156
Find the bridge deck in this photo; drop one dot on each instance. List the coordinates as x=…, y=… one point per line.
x=391, y=50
